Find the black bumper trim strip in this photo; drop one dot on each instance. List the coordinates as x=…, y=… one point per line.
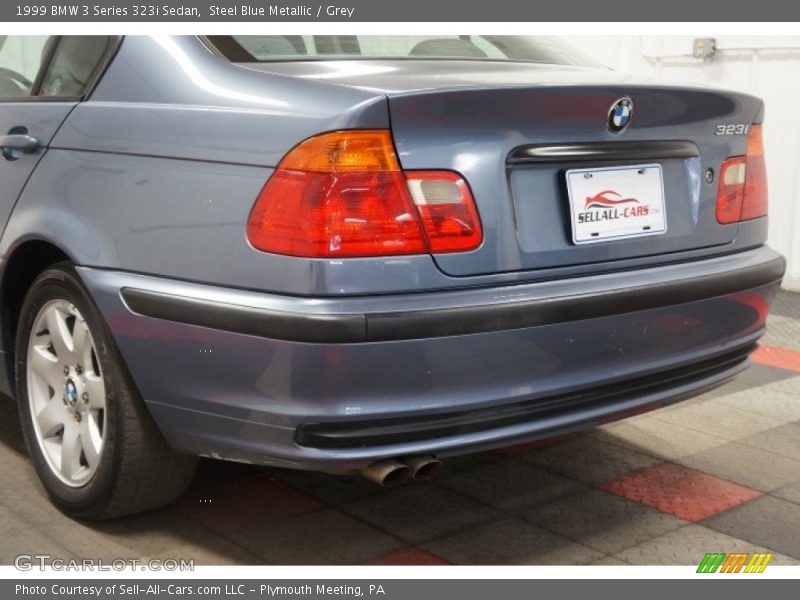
x=261, y=322
x=531, y=313
x=401, y=430
x=440, y=322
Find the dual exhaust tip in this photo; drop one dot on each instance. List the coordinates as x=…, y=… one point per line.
x=390, y=471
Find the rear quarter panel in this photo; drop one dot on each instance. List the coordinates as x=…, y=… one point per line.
x=158, y=171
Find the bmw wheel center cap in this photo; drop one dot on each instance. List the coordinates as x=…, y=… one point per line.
x=71, y=392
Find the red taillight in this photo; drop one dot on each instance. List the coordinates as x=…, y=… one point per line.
x=446, y=209
x=343, y=194
x=755, y=185
x=730, y=193
x=742, y=192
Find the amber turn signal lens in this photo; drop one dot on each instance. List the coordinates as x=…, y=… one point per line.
x=344, y=152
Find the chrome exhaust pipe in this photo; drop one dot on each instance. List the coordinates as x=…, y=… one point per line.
x=422, y=466
x=387, y=472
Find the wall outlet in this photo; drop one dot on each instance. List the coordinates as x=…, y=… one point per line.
x=704, y=48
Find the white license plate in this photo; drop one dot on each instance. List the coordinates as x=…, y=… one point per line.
x=616, y=202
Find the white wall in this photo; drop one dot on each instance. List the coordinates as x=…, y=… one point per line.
x=766, y=66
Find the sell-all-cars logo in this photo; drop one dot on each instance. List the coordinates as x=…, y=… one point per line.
x=620, y=114
x=608, y=205
x=735, y=562
x=607, y=198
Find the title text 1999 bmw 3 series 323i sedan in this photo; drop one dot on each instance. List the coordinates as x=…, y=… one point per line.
x=358, y=253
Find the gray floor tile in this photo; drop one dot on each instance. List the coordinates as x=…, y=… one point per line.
x=325, y=537
x=80, y=539
x=770, y=400
x=715, y=419
x=791, y=493
x=783, y=331
x=755, y=468
x=590, y=459
x=770, y=522
x=610, y=561
x=330, y=488
x=18, y=479
x=788, y=385
x=783, y=440
x=754, y=378
x=701, y=399
x=221, y=552
x=510, y=542
x=786, y=304
x=19, y=536
x=420, y=512
x=627, y=421
x=603, y=521
x=10, y=524
x=688, y=545
x=155, y=533
x=658, y=438
x=33, y=542
x=512, y=486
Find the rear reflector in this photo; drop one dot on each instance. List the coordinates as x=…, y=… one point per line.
x=742, y=191
x=343, y=194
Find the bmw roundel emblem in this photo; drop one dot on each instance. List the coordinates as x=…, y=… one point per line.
x=620, y=114
x=71, y=392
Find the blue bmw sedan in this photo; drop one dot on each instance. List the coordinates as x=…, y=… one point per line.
x=357, y=254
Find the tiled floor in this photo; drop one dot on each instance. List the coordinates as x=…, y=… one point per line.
x=717, y=473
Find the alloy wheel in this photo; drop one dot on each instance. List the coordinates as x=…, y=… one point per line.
x=66, y=392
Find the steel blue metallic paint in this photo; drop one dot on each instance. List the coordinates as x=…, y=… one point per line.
x=149, y=184
x=244, y=396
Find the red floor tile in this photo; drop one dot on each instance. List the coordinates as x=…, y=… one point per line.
x=679, y=491
x=775, y=356
x=409, y=556
x=520, y=449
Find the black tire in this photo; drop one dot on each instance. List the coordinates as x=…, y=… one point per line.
x=137, y=469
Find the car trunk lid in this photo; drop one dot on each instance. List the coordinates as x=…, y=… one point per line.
x=516, y=145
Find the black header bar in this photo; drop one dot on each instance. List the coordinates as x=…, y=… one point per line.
x=607, y=11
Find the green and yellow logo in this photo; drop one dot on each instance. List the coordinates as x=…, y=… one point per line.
x=736, y=562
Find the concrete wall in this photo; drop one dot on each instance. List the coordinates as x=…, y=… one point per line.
x=767, y=66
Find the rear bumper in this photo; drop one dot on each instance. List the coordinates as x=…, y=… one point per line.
x=558, y=413
x=335, y=383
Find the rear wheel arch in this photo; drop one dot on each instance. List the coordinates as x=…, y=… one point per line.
x=22, y=266
x=130, y=467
